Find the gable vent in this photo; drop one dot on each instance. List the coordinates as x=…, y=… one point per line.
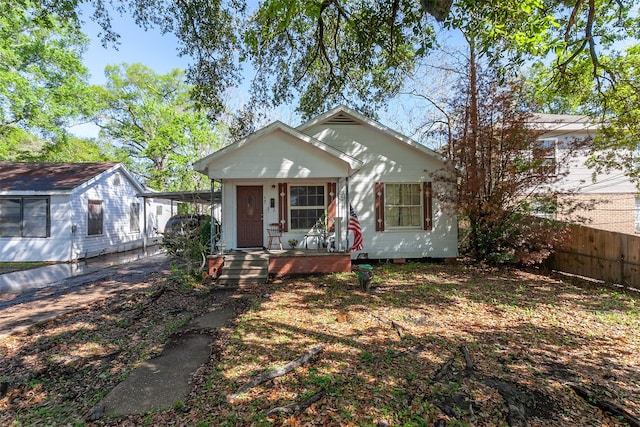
x=341, y=119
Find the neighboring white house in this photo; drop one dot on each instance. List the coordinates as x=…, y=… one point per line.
x=294, y=176
x=612, y=198
x=66, y=211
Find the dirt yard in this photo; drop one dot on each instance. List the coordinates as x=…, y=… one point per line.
x=429, y=345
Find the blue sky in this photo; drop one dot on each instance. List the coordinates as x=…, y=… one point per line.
x=151, y=48
x=160, y=53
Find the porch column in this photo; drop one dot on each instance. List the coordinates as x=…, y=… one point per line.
x=347, y=216
x=211, y=227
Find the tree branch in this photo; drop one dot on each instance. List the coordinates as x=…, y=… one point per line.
x=271, y=374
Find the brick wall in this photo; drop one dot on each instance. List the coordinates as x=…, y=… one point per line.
x=611, y=212
x=330, y=263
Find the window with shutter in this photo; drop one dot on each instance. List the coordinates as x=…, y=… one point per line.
x=403, y=206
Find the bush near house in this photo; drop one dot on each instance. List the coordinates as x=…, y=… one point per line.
x=189, y=237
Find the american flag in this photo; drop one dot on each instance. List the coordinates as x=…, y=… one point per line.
x=354, y=225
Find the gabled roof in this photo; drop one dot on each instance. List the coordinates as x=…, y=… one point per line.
x=201, y=165
x=53, y=177
x=343, y=115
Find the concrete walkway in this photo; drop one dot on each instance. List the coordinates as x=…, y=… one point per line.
x=161, y=382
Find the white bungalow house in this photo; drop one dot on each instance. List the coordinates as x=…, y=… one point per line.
x=611, y=199
x=66, y=211
x=294, y=176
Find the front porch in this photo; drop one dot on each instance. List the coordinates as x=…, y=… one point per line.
x=242, y=266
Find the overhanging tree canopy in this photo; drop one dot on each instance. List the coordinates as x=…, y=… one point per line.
x=329, y=51
x=42, y=79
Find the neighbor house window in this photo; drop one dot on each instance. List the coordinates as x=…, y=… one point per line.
x=307, y=205
x=545, y=153
x=403, y=207
x=544, y=208
x=134, y=218
x=95, y=217
x=25, y=217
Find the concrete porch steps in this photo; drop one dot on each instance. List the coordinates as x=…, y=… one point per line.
x=244, y=268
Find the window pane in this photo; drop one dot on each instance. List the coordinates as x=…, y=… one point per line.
x=307, y=205
x=34, y=222
x=403, y=205
x=545, y=153
x=134, y=218
x=9, y=217
x=403, y=216
x=305, y=219
x=95, y=217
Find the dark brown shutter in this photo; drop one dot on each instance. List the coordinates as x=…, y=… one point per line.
x=331, y=206
x=283, y=207
x=427, y=206
x=379, y=206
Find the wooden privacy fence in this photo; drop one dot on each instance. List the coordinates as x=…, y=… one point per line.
x=602, y=255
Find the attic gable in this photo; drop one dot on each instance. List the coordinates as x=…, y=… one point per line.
x=341, y=118
x=342, y=115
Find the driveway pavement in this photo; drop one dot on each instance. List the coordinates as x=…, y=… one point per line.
x=42, y=299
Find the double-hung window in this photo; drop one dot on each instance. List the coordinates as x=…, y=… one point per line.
x=25, y=217
x=403, y=206
x=134, y=218
x=544, y=207
x=307, y=205
x=544, y=152
x=95, y=218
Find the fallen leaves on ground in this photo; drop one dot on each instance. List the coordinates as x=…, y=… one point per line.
x=528, y=337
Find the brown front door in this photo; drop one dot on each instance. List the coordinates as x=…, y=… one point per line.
x=250, y=234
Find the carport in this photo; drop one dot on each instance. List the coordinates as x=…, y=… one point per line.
x=211, y=199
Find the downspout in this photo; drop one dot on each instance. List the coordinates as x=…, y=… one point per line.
x=144, y=226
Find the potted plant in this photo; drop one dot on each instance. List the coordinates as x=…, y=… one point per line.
x=293, y=243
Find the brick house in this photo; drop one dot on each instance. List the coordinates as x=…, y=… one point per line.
x=612, y=198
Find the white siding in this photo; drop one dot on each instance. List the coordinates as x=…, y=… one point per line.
x=277, y=155
x=156, y=222
x=69, y=221
x=57, y=247
x=390, y=161
x=117, y=193
x=580, y=178
x=385, y=159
